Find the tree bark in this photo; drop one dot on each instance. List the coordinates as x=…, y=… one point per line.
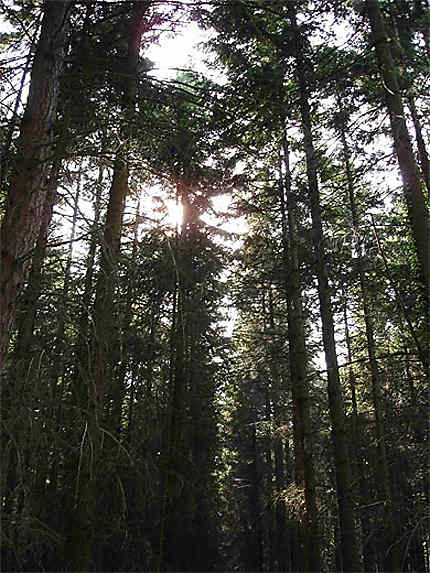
x=20, y=377
x=27, y=192
x=402, y=33
x=360, y=474
x=82, y=352
x=119, y=391
x=105, y=343
x=4, y=159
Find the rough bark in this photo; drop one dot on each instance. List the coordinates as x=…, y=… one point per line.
x=412, y=185
x=4, y=160
x=27, y=192
x=15, y=428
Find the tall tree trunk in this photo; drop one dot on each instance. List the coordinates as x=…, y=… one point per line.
x=27, y=191
x=360, y=475
x=105, y=348
x=280, y=540
x=305, y=477
x=281, y=548
x=417, y=208
x=119, y=391
x=401, y=31
x=82, y=353
x=105, y=335
x=170, y=435
x=392, y=549
x=62, y=305
x=350, y=555
x=169, y=549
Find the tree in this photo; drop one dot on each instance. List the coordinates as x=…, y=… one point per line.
x=26, y=196
x=412, y=184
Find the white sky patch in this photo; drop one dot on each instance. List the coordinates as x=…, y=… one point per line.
x=177, y=51
x=222, y=205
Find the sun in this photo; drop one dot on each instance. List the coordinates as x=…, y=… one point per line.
x=174, y=214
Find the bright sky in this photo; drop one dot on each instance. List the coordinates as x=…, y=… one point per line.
x=178, y=50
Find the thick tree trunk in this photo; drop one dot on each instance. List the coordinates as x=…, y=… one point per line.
x=305, y=476
x=350, y=555
x=27, y=191
x=417, y=209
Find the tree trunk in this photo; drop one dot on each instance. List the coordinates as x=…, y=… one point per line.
x=27, y=192
x=4, y=160
x=350, y=555
x=368, y=549
x=305, y=474
x=82, y=352
x=119, y=391
x=105, y=339
x=105, y=342
x=402, y=33
x=391, y=550
x=422, y=150
x=19, y=378
x=417, y=209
